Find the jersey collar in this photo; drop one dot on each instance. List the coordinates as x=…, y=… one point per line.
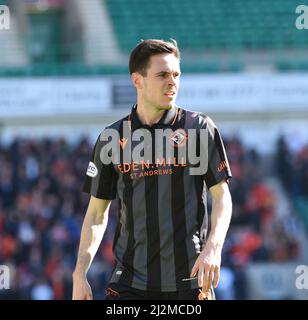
x=168, y=119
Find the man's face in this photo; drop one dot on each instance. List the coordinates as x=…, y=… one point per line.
x=159, y=87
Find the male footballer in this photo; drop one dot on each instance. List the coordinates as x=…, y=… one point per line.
x=164, y=247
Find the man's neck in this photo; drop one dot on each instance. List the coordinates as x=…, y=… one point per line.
x=149, y=115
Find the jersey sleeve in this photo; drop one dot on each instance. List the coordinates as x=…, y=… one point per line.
x=218, y=168
x=101, y=179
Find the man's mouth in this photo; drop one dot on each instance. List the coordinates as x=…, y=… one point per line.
x=170, y=94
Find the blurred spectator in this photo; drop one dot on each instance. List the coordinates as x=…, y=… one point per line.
x=41, y=290
x=283, y=162
x=293, y=172
x=225, y=290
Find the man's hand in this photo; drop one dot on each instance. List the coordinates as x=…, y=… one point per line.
x=81, y=288
x=207, y=266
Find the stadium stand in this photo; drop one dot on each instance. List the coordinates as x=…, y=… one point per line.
x=206, y=25
x=214, y=36
x=45, y=43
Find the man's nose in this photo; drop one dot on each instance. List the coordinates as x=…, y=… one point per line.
x=171, y=80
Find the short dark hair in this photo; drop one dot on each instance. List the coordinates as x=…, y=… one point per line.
x=141, y=54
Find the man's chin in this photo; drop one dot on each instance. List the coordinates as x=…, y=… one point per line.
x=167, y=106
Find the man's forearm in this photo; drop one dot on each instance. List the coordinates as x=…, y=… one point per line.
x=220, y=217
x=208, y=262
x=92, y=233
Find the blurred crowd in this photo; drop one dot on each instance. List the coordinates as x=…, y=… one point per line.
x=42, y=209
x=292, y=167
x=256, y=232
x=292, y=170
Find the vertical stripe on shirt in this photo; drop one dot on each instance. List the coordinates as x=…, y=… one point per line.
x=179, y=226
x=140, y=258
x=152, y=229
x=128, y=257
x=191, y=210
x=166, y=228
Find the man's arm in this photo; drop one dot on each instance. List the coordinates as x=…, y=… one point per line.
x=208, y=263
x=93, y=229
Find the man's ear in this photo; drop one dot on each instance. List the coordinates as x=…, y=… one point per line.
x=137, y=80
